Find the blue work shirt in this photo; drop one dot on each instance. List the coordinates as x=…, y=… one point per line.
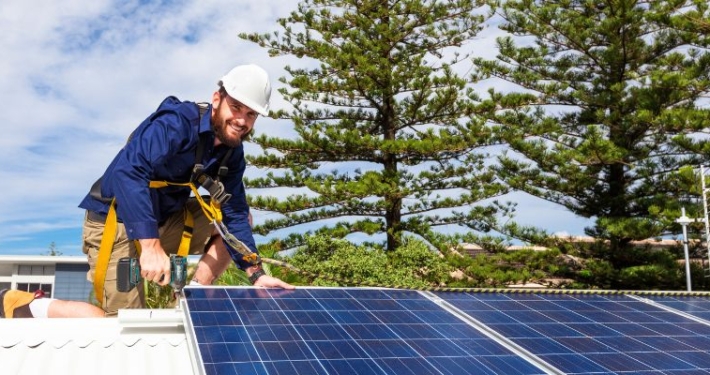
x=163, y=148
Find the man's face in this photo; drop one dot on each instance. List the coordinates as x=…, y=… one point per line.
x=232, y=121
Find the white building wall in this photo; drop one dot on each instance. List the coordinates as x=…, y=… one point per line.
x=32, y=272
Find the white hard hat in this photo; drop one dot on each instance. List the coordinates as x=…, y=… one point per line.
x=250, y=85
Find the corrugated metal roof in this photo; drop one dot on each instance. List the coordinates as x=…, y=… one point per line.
x=91, y=346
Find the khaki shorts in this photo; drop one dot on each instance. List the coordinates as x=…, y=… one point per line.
x=170, y=235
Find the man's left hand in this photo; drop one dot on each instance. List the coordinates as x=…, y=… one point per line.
x=267, y=281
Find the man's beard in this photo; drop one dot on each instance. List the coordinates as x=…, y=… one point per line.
x=219, y=126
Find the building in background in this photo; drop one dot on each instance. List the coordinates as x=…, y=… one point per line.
x=62, y=277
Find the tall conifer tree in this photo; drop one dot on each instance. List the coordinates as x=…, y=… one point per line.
x=611, y=106
x=385, y=143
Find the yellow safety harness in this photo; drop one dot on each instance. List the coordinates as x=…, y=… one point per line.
x=109, y=235
x=212, y=211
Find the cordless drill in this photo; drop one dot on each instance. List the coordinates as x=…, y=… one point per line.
x=128, y=273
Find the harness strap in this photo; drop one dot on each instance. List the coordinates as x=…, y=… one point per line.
x=199, y=168
x=186, y=234
x=212, y=210
x=109, y=236
x=237, y=249
x=105, y=249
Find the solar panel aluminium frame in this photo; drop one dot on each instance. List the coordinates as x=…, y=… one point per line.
x=198, y=367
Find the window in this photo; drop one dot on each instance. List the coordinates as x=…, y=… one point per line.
x=33, y=287
x=35, y=270
x=47, y=289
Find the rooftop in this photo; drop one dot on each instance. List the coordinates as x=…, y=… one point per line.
x=95, y=346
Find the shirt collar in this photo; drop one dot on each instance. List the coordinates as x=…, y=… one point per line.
x=205, y=121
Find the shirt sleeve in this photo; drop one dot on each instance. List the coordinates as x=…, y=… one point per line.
x=235, y=212
x=154, y=142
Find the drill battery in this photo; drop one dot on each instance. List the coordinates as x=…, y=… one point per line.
x=128, y=273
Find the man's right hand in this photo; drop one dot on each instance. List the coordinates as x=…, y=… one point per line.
x=155, y=264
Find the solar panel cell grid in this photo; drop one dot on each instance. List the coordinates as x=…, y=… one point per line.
x=584, y=334
x=376, y=331
x=338, y=331
x=695, y=306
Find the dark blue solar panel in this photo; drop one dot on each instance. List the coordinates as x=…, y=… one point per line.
x=585, y=334
x=338, y=331
x=696, y=306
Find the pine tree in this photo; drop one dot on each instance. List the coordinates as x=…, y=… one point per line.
x=385, y=143
x=608, y=106
x=53, y=250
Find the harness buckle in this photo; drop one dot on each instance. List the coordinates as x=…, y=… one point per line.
x=252, y=258
x=197, y=171
x=215, y=188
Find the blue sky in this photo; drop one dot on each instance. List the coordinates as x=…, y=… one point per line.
x=79, y=75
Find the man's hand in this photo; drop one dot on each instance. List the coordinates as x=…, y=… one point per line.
x=267, y=281
x=155, y=264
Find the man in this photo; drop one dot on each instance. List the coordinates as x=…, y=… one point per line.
x=179, y=145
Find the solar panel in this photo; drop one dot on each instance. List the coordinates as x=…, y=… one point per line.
x=696, y=306
x=585, y=334
x=337, y=331
x=384, y=331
